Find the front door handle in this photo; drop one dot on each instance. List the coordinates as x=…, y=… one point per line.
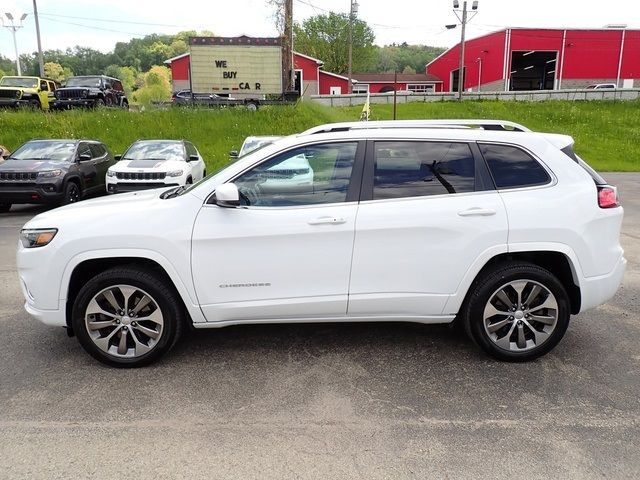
x=477, y=212
x=327, y=221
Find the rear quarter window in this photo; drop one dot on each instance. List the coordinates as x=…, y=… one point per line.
x=512, y=167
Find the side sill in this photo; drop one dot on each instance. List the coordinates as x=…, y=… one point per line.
x=403, y=318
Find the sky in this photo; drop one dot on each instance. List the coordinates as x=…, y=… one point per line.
x=100, y=24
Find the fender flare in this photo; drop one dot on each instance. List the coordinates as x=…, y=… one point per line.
x=188, y=297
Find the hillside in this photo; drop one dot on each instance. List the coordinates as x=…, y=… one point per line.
x=607, y=134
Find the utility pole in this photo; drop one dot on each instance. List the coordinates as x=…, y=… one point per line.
x=463, y=18
x=353, y=13
x=288, y=73
x=40, y=58
x=14, y=28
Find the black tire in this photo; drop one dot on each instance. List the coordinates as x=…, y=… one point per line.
x=72, y=193
x=252, y=106
x=5, y=207
x=164, y=297
x=98, y=103
x=34, y=104
x=125, y=105
x=189, y=181
x=485, y=289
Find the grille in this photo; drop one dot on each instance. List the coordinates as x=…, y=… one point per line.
x=9, y=93
x=18, y=176
x=141, y=175
x=71, y=93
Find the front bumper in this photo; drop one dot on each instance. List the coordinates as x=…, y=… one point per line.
x=72, y=102
x=35, y=194
x=124, y=186
x=54, y=318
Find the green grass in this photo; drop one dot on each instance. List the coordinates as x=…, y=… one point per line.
x=607, y=133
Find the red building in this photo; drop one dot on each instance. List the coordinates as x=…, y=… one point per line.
x=388, y=82
x=543, y=59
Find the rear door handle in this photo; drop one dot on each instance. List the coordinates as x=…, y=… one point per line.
x=327, y=221
x=477, y=212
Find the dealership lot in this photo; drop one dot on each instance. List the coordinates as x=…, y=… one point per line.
x=325, y=401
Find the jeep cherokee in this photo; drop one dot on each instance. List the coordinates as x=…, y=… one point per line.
x=509, y=232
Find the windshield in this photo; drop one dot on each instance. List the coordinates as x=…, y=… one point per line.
x=252, y=144
x=155, y=150
x=24, y=82
x=84, y=82
x=60, y=151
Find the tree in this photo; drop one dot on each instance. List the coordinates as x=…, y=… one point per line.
x=57, y=72
x=327, y=37
x=403, y=57
x=157, y=86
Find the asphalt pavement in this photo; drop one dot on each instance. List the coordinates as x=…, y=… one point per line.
x=370, y=401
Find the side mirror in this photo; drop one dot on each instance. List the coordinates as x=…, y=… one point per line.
x=84, y=157
x=227, y=195
x=234, y=154
x=117, y=157
x=193, y=158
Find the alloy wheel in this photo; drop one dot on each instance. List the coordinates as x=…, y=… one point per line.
x=520, y=315
x=124, y=321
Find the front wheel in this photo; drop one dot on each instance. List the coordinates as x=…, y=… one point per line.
x=517, y=312
x=127, y=317
x=71, y=193
x=98, y=103
x=5, y=207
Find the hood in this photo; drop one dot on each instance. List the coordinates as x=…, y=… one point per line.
x=31, y=165
x=97, y=209
x=148, y=165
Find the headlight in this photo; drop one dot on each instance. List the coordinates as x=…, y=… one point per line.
x=37, y=237
x=50, y=173
x=111, y=173
x=175, y=173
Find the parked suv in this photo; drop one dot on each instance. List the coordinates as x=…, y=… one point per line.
x=91, y=91
x=155, y=164
x=34, y=92
x=53, y=172
x=506, y=232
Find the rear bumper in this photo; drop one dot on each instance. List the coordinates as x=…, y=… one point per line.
x=595, y=291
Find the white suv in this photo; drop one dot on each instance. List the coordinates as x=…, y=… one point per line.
x=507, y=231
x=155, y=164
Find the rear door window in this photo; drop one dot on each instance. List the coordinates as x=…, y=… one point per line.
x=417, y=169
x=512, y=167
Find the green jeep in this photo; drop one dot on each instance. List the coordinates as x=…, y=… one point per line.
x=31, y=92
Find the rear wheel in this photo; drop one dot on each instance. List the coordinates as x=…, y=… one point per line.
x=252, y=106
x=517, y=312
x=127, y=317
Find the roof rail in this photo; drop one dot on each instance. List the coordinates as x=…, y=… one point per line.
x=502, y=125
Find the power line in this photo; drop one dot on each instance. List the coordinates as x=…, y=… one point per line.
x=108, y=20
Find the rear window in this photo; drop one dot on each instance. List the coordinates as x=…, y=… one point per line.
x=512, y=167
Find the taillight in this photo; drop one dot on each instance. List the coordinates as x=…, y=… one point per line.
x=607, y=197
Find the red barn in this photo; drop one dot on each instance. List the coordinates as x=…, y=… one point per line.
x=543, y=59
